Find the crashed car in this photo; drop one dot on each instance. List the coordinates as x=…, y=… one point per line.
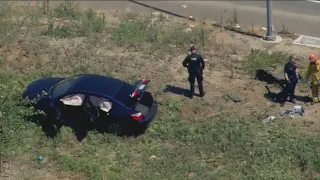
x=95, y=98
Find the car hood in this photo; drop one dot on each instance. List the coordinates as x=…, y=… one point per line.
x=38, y=86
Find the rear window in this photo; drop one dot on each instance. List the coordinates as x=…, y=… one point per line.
x=123, y=95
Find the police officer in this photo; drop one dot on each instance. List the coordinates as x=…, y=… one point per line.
x=195, y=64
x=291, y=76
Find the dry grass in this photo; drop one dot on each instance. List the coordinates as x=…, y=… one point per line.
x=190, y=139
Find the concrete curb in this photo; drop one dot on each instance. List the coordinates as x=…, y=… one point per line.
x=278, y=40
x=300, y=39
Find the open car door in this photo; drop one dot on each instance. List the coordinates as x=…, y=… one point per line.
x=70, y=108
x=93, y=106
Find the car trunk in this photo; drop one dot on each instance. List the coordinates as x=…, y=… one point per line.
x=144, y=104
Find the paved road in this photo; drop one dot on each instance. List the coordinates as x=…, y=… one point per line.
x=302, y=17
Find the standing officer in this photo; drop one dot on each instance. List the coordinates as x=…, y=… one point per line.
x=314, y=73
x=291, y=76
x=195, y=64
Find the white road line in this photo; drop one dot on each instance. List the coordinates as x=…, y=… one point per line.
x=315, y=1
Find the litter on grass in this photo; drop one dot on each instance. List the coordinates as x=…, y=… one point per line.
x=296, y=110
x=268, y=119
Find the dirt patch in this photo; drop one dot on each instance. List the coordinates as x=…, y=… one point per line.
x=33, y=171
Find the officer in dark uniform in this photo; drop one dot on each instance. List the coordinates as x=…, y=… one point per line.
x=195, y=64
x=292, y=77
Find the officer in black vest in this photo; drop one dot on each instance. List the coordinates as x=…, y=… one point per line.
x=195, y=64
x=292, y=77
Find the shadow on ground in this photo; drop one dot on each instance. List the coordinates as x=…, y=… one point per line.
x=51, y=128
x=178, y=91
x=279, y=97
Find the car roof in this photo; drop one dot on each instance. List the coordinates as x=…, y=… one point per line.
x=98, y=84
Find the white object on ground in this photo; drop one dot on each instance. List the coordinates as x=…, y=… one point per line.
x=152, y=157
x=156, y=13
x=187, y=30
x=268, y=119
x=184, y=6
x=294, y=111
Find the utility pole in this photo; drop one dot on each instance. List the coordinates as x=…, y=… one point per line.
x=270, y=36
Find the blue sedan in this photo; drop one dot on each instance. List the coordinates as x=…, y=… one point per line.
x=94, y=98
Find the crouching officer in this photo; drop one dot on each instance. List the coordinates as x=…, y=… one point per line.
x=195, y=64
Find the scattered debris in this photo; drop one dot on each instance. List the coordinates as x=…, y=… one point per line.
x=234, y=98
x=187, y=30
x=294, y=111
x=191, y=17
x=269, y=119
x=40, y=158
x=191, y=25
x=238, y=26
x=156, y=13
x=152, y=157
x=263, y=28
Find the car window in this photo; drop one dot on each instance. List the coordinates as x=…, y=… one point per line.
x=123, y=95
x=73, y=100
x=62, y=87
x=104, y=104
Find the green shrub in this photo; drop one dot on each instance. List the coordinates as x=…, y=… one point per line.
x=91, y=23
x=60, y=31
x=67, y=11
x=259, y=59
x=147, y=31
x=12, y=114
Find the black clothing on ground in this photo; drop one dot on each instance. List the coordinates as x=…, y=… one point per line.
x=287, y=91
x=195, y=64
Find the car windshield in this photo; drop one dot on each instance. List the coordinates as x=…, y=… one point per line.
x=62, y=87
